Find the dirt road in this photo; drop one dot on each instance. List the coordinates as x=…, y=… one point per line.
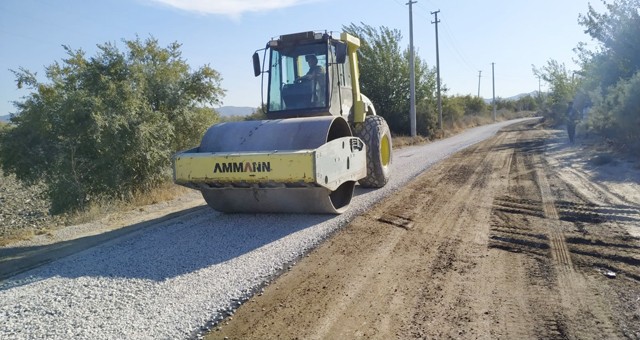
x=505, y=240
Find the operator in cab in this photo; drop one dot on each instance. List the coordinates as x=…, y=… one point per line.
x=316, y=75
x=315, y=71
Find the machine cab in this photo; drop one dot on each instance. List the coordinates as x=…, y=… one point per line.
x=306, y=74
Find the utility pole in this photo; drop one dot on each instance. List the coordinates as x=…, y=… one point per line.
x=412, y=73
x=539, y=93
x=438, y=70
x=493, y=76
x=539, y=88
x=479, y=76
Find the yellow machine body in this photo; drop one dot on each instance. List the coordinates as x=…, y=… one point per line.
x=304, y=158
x=252, y=166
x=328, y=166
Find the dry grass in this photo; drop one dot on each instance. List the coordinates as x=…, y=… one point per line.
x=16, y=236
x=96, y=210
x=401, y=141
x=25, y=234
x=103, y=207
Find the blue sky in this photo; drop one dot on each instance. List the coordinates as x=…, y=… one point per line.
x=225, y=33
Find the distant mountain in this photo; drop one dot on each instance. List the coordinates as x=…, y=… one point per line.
x=5, y=118
x=518, y=96
x=513, y=98
x=235, y=110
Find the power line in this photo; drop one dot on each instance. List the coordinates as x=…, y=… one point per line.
x=426, y=10
x=453, y=43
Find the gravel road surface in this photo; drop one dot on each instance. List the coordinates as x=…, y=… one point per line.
x=172, y=279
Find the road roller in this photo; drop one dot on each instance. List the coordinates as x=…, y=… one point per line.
x=322, y=136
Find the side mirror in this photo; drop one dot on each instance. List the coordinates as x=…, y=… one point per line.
x=256, y=64
x=341, y=52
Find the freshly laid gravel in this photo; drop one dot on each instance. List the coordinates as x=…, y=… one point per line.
x=174, y=279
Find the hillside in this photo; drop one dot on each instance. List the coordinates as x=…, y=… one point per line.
x=228, y=111
x=513, y=98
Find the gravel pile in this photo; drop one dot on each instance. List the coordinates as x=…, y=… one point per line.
x=22, y=208
x=176, y=279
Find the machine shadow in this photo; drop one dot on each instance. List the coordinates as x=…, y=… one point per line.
x=16, y=260
x=153, y=250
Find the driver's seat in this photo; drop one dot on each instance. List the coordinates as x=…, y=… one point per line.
x=318, y=93
x=297, y=95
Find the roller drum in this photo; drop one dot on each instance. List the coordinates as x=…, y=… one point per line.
x=271, y=135
x=276, y=135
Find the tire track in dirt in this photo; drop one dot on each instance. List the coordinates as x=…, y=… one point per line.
x=477, y=247
x=446, y=239
x=576, y=309
x=558, y=246
x=604, y=252
x=342, y=307
x=456, y=255
x=402, y=215
x=522, y=255
x=589, y=191
x=600, y=221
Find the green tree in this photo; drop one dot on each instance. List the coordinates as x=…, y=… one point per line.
x=617, y=31
x=472, y=105
x=384, y=78
x=526, y=103
x=563, y=89
x=4, y=127
x=616, y=114
x=426, y=98
x=452, y=108
x=107, y=126
x=258, y=114
x=611, y=74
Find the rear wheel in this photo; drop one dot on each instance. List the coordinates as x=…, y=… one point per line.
x=376, y=135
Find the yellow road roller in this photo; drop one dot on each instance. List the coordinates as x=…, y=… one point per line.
x=320, y=138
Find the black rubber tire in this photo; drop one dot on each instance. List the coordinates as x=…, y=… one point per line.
x=376, y=135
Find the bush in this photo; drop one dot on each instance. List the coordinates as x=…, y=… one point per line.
x=617, y=115
x=107, y=126
x=4, y=127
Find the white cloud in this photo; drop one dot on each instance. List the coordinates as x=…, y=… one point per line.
x=232, y=8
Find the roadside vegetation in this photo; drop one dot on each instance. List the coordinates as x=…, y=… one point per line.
x=605, y=90
x=105, y=127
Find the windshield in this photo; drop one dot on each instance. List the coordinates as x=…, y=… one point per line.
x=298, y=77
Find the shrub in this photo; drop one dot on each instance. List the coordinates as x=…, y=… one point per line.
x=107, y=126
